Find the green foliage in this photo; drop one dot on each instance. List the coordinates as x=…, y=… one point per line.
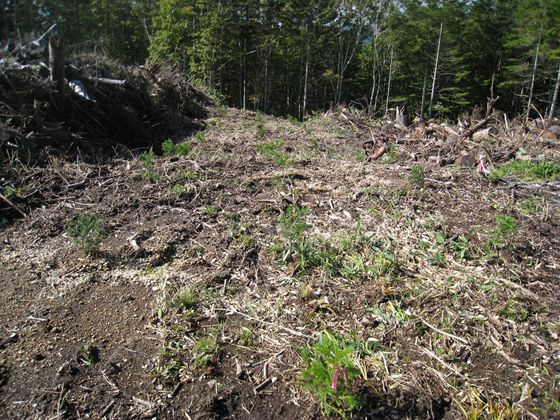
x=514, y=310
x=245, y=337
x=205, y=350
x=327, y=354
x=10, y=192
x=505, y=226
x=292, y=223
x=531, y=206
x=86, y=231
x=260, y=125
x=390, y=155
x=527, y=171
x=148, y=161
x=88, y=355
x=171, y=149
x=273, y=149
x=417, y=175
x=186, y=299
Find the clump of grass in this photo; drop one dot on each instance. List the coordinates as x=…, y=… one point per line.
x=329, y=354
x=205, y=350
x=528, y=171
x=359, y=155
x=417, y=176
x=86, y=230
x=514, y=310
x=200, y=137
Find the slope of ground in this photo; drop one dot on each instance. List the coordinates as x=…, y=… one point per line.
x=220, y=266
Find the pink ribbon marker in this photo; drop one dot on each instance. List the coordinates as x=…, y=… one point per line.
x=338, y=370
x=481, y=168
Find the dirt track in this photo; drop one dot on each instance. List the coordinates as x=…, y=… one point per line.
x=455, y=330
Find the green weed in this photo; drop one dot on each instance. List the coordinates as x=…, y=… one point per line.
x=505, y=226
x=514, y=311
x=200, y=137
x=528, y=171
x=86, y=230
x=170, y=363
x=531, y=206
x=359, y=155
x=88, y=355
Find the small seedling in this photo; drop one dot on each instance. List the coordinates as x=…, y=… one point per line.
x=330, y=370
x=390, y=155
x=148, y=160
x=273, y=149
x=417, y=176
x=205, y=350
x=88, y=355
x=505, y=226
x=86, y=231
x=211, y=211
x=171, y=149
x=245, y=337
x=260, y=125
x=10, y=192
x=200, y=137
x=186, y=300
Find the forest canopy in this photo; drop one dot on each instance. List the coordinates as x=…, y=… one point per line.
x=437, y=58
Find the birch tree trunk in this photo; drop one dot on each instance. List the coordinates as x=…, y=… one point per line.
x=374, y=61
x=389, y=82
x=435, y=73
x=555, y=96
x=534, y=72
x=305, y=80
x=423, y=106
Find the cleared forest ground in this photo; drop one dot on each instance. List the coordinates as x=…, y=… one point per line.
x=220, y=268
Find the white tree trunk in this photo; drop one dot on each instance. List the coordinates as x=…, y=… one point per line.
x=435, y=72
x=389, y=83
x=555, y=96
x=530, y=99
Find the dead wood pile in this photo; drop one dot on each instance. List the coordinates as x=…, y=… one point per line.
x=103, y=105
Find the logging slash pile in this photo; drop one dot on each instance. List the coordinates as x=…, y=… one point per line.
x=98, y=106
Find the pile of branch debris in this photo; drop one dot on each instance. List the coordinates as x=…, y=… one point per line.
x=488, y=137
x=87, y=104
